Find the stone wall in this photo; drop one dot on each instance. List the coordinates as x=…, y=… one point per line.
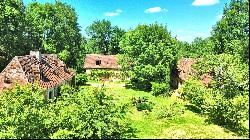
x=11, y=74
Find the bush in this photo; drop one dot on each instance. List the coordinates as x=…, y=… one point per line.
x=97, y=74
x=215, y=103
x=142, y=103
x=196, y=94
x=81, y=79
x=160, y=88
x=140, y=84
x=24, y=113
x=231, y=113
x=66, y=89
x=175, y=109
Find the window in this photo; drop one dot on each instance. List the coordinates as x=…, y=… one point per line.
x=7, y=80
x=50, y=94
x=98, y=62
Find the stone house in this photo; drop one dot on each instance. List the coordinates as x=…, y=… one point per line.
x=101, y=62
x=45, y=69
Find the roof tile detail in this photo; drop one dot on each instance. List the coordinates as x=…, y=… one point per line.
x=48, y=72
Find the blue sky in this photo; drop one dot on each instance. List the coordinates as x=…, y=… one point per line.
x=186, y=19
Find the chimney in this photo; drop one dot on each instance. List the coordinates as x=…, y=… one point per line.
x=37, y=54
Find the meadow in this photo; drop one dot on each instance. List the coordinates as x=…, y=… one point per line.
x=186, y=124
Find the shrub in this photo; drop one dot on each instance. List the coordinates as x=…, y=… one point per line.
x=159, y=88
x=140, y=84
x=97, y=74
x=231, y=113
x=142, y=103
x=24, y=113
x=66, y=89
x=91, y=114
x=81, y=79
x=216, y=104
x=196, y=93
x=174, y=109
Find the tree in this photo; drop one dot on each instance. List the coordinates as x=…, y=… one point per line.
x=104, y=38
x=12, y=31
x=116, y=36
x=231, y=33
x=149, y=49
x=53, y=28
x=201, y=47
x=100, y=32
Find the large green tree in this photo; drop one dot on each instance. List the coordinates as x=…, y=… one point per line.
x=231, y=33
x=104, y=38
x=53, y=28
x=149, y=50
x=12, y=31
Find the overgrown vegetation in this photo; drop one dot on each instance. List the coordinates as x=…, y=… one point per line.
x=97, y=74
x=91, y=114
x=142, y=103
x=148, y=55
x=225, y=101
x=81, y=79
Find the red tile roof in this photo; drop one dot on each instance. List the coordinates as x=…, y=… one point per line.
x=107, y=61
x=184, y=68
x=48, y=72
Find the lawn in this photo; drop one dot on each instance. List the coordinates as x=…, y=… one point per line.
x=185, y=125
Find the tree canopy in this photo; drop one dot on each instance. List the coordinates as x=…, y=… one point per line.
x=104, y=38
x=12, y=31
x=231, y=33
x=53, y=28
x=150, y=51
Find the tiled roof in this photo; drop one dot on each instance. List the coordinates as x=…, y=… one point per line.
x=184, y=68
x=48, y=72
x=107, y=61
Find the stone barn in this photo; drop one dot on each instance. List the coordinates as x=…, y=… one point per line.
x=45, y=69
x=101, y=62
x=184, y=71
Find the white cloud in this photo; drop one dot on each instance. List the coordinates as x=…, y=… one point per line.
x=111, y=14
x=219, y=16
x=155, y=10
x=204, y=2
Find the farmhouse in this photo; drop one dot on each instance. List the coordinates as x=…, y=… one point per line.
x=45, y=69
x=98, y=61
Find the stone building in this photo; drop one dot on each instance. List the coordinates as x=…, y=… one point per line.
x=45, y=69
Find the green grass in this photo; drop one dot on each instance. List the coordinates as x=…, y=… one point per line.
x=186, y=125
